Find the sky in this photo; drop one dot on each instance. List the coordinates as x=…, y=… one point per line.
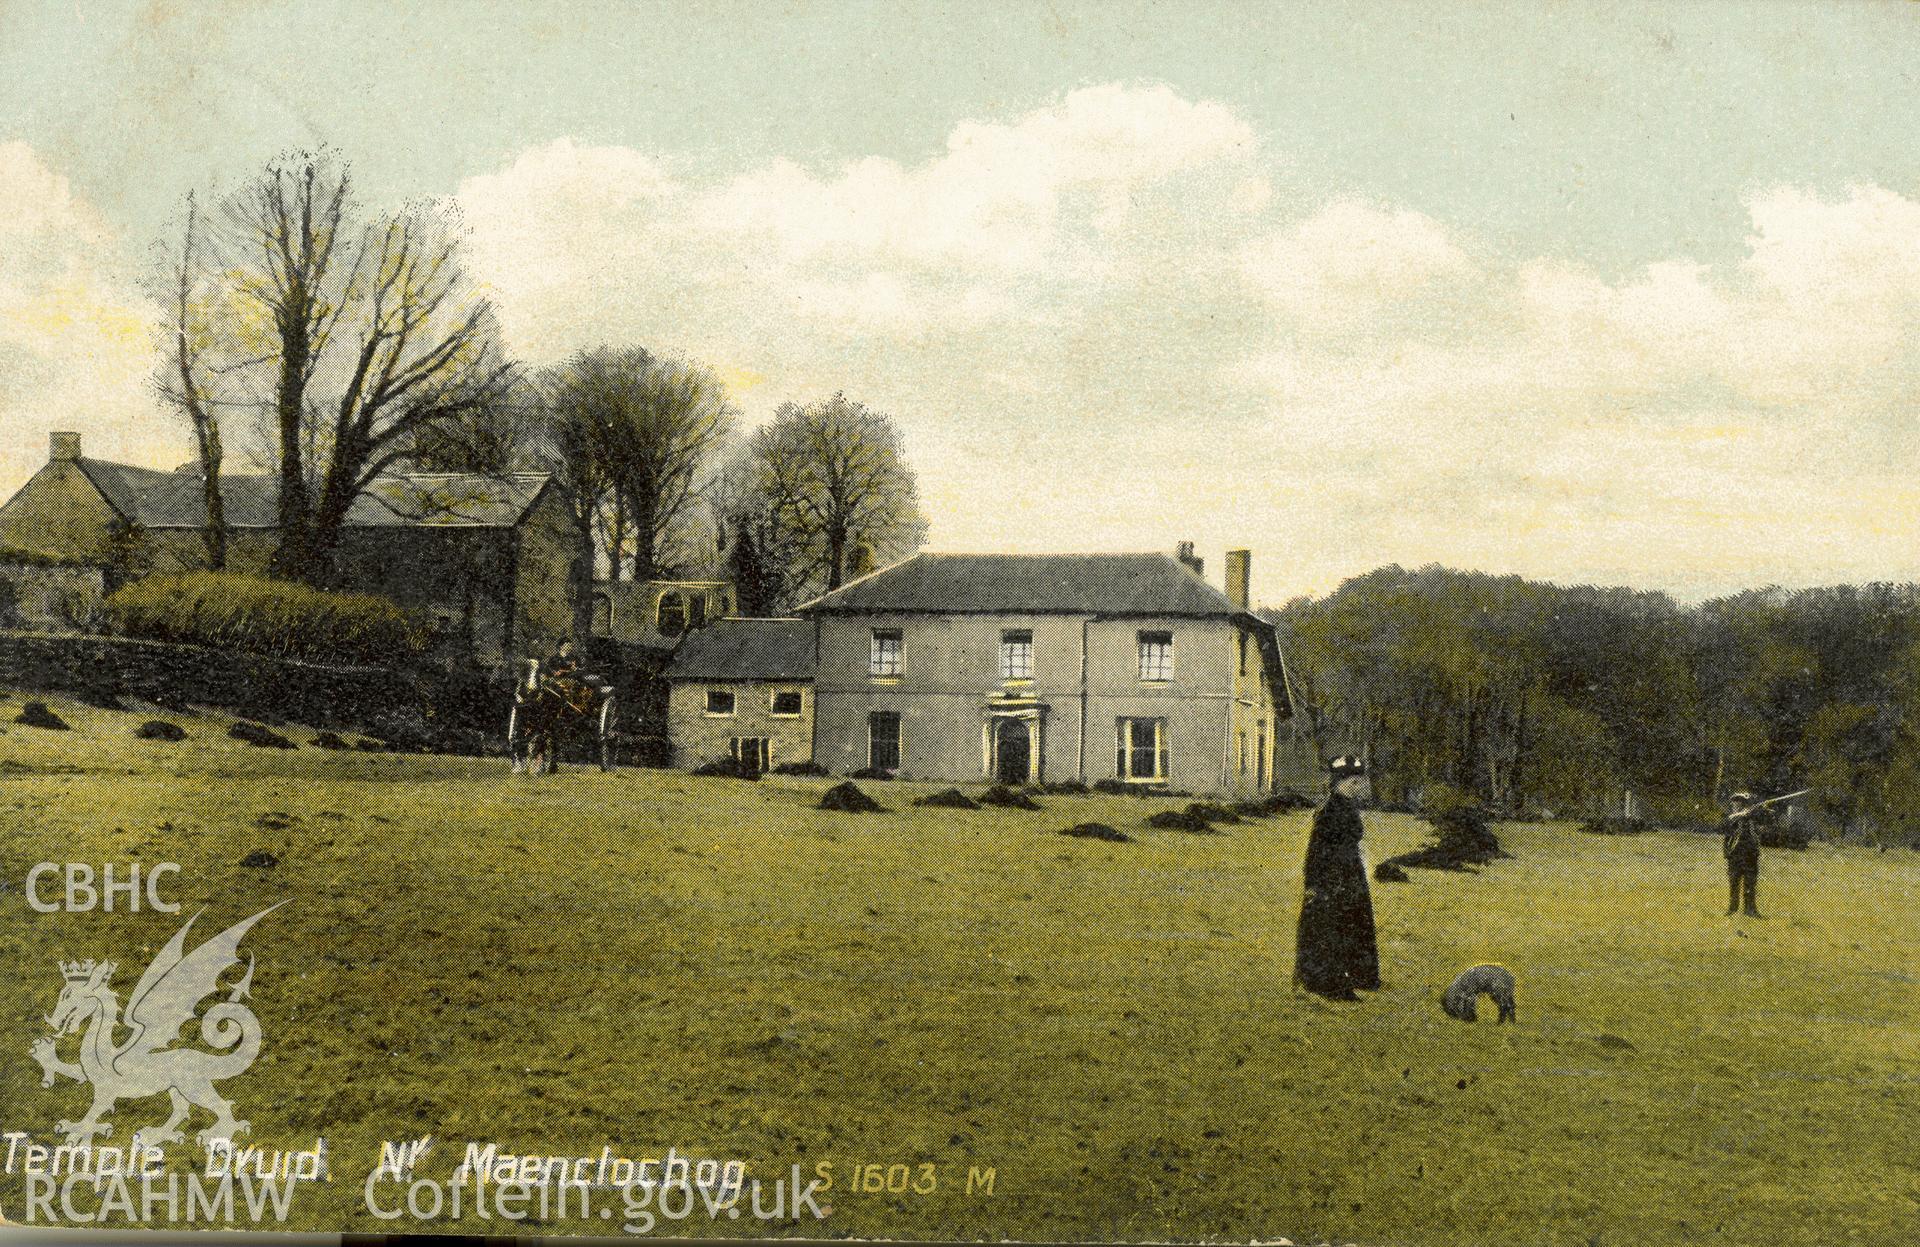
x=1594, y=293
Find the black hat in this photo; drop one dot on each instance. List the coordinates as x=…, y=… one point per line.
x=1345, y=765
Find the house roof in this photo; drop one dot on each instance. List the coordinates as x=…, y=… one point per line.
x=746, y=649
x=1030, y=584
x=122, y=484
x=173, y=499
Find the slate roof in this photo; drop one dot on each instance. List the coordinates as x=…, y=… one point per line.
x=1030, y=584
x=122, y=484
x=746, y=649
x=173, y=499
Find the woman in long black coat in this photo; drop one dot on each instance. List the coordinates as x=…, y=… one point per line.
x=1336, y=951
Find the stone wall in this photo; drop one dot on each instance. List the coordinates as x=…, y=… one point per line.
x=100, y=668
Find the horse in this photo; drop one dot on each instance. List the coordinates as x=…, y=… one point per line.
x=547, y=711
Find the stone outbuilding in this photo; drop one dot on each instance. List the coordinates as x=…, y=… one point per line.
x=484, y=560
x=743, y=689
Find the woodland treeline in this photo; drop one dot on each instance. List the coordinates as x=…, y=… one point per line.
x=1539, y=698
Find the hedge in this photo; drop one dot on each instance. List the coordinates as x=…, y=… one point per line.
x=15, y=556
x=255, y=615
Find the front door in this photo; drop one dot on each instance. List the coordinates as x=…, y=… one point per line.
x=1013, y=748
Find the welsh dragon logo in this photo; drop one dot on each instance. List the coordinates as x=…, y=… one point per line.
x=144, y=1064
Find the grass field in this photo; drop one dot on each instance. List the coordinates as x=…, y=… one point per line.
x=647, y=959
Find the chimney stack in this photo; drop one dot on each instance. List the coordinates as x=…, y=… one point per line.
x=1184, y=553
x=63, y=447
x=1239, y=570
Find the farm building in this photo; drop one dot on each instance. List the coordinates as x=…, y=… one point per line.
x=743, y=689
x=1030, y=668
x=484, y=560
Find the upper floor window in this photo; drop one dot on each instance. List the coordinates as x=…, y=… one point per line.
x=883, y=652
x=1016, y=654
x=785, y=703
x=1156, y=655
x=671, y=615
x=1243, y=653
x=719, y=701
x=696, y=611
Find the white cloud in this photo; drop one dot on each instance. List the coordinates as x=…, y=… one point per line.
x=1348, y=264
x=1696, y=426
x=1109, y=322
x=1001, y=197
x=75, y=350
x=989, y=229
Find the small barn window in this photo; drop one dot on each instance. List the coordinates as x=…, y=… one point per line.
x=671, y=617
x=1156, y=655
x=720, y=701
x=1016, y=654
x=785, y=704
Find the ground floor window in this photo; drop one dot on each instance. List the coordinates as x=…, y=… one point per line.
x=883, y=740
x=755, y=752
x=1142, y=750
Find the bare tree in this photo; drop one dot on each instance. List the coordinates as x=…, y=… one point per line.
x=835, y=480
x=427, y=353
x=193, y=360
x=374, y=337
x=664, y=451
x=284, y=228
x=496, y=441
x=657, y=426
